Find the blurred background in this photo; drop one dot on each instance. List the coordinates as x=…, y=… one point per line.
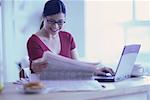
x=100, y=27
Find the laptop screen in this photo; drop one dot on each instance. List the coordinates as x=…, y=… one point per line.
x=126, y=62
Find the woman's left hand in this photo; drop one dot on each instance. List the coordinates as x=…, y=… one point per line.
x=103, y=71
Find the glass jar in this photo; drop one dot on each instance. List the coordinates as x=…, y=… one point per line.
x=1, y=78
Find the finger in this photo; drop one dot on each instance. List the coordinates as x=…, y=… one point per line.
x=36, y=69
x=40, y=69
x=100, y=73
x=44, y=65
x=112, y=72
x=109, y=70
x=39, y=64
x=38, y=60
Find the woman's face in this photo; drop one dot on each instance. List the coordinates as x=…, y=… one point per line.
x=54, y=23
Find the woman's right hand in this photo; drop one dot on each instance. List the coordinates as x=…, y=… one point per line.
x=39, y=65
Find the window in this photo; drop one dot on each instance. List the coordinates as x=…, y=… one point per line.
x=141, y=9
x=109, y=25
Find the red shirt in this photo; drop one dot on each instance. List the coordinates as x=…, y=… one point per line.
x=36, y=47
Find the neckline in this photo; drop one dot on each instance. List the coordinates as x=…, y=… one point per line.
x=47, y=46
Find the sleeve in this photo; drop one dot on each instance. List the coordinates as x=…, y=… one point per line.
x=73, y=45
x=34, y=49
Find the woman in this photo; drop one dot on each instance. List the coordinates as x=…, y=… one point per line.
x=60, y=44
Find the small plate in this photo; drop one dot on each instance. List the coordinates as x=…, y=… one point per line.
x=33, y=91
x=21, y=89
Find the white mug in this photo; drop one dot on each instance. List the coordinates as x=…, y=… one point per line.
x=137, y=70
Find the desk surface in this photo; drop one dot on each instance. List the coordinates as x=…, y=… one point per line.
x=129, y=86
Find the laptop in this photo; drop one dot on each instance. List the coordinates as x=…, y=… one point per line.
x=125, y=65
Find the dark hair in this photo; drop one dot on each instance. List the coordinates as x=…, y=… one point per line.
x=53, y=7
x=42, y=24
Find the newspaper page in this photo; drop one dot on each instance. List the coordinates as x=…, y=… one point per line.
x=66, y=69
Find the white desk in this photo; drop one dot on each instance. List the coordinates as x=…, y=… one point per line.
x=130, y=89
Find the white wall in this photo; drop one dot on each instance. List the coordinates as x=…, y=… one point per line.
x=75, y=23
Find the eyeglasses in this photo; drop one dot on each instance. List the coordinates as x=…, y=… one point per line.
x=52, y=22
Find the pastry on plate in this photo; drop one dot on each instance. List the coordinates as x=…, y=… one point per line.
x=33, y=87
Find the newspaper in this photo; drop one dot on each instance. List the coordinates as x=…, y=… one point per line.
x=65, y=75
x=72, y=85
x=66, y=70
